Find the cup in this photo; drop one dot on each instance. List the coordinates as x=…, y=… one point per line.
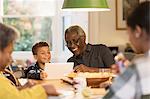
x=80, y=84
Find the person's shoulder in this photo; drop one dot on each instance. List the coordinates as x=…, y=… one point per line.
x=32, y=66
x=141, y=58
x=142, y=62
x=139, y=64
x=97, y=45
x=2, y=77
x=70, y=59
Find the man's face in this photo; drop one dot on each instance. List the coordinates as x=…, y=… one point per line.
x=43, y=55
x=75, y=43
x=5, y=56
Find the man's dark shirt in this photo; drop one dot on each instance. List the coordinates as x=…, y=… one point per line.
x=33, y=71
x=94, y=56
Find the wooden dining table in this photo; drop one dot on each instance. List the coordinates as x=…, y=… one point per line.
x=97, y=93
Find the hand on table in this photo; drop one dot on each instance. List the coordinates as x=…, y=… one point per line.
x=43, y=75
x=82, y=68
x=29, y=84
x=50, y=89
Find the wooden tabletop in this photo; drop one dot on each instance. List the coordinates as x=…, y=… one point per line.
x=60, y=85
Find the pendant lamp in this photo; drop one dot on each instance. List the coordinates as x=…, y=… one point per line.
x=85, y=5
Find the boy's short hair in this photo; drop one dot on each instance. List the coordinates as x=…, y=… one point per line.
x=38, y=45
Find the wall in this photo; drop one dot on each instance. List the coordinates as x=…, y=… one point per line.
x=102, y=28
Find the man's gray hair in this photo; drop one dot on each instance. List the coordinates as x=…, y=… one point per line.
x=75, y=29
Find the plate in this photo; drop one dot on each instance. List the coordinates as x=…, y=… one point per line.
x=64, y=94
x=72, y=75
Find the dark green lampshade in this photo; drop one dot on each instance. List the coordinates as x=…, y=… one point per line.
x=85, y=5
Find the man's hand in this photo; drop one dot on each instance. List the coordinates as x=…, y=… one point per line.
x=50, y=89
x=83, y=68
x=43, y=75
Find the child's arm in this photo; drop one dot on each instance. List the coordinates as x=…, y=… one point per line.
x=33, y=73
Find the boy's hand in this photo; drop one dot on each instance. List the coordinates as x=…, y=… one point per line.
x=43, y=75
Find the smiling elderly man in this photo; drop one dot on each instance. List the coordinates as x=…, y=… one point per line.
x=86, y=57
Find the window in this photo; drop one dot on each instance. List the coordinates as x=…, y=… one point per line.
x=34, y=24
x=40, y=20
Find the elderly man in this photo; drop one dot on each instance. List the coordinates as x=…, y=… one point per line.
x=86, y=57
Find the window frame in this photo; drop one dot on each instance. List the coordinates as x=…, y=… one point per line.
x=57, y=53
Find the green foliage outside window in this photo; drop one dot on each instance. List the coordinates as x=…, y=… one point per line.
x=31, y=31
x=32, y=28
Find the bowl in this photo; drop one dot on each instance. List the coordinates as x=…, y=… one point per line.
x=95, y=82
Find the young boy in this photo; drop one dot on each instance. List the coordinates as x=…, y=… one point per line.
x=41, y=53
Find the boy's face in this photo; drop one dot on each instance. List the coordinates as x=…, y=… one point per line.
x=43, y=55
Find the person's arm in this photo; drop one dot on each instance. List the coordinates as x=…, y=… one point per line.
x=122, y=84
x=11, y=77
x=71, y=59
x=43, y=74
x=44, y=89
x=33, y=73
x=9, y=91
x=84, y=68
x=106, y=56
